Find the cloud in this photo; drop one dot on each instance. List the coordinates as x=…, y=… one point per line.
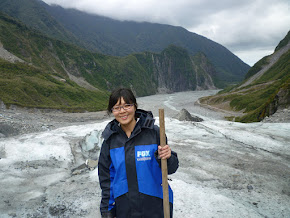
x=253, y=29
x=251, y=24
x=240, y=26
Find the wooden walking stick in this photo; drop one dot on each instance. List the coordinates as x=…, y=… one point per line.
x=164, y=166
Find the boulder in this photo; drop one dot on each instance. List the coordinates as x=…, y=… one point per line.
x=7, y=130
x=91, y=164
x=184, y=115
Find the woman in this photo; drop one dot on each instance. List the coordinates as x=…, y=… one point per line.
x=129, y=163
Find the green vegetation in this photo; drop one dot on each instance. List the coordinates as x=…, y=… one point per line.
x=27, y=86
x=259, y=99
x=279, y=71
x=254, y=98
x=275, y=79
x=228, y=89
x=264, y=109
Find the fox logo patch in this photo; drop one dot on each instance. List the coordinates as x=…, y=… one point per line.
x=143, y=155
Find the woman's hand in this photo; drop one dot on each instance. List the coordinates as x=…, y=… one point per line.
x=164, y=152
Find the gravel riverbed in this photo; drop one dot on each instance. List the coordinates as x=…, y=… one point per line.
x=17, y=121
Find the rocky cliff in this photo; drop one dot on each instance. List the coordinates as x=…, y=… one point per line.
x=174, y=70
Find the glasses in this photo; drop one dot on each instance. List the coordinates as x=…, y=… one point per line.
x=125, y=107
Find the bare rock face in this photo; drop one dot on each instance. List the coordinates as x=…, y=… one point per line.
x=184, y=115
x=280, y=102
x=284, y=97
x=6, y=55
x=174, y=70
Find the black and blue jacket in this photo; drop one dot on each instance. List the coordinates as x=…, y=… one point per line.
x=129, y=170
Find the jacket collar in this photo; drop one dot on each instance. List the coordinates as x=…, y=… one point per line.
x=146, y=120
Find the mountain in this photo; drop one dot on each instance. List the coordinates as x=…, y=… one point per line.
x=266, y=87
x=121, y=38
x=39, y=71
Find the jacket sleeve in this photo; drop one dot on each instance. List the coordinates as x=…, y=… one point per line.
x=106, y=176
x=172, y=162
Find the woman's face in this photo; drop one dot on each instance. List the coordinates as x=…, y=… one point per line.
x=125, y=117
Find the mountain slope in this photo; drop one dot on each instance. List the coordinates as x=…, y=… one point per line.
x=27, y=86
x=54, y=74
x=265, y=89
x=122, y=38
x=35, y=16
x=35, y=77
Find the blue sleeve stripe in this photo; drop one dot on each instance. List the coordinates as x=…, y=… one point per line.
x=120, y=183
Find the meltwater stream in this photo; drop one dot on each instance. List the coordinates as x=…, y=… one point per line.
x=227, y=169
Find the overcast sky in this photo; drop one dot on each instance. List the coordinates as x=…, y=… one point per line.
x=251, y=29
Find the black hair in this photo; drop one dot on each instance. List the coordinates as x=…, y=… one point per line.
x=117, y=94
